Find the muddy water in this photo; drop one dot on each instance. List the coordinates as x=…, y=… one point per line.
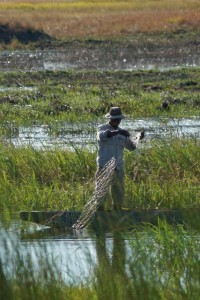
x=67, y=135
x=107, y=58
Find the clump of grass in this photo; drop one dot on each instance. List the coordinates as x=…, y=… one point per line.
x=166, y=264
x=45, y=179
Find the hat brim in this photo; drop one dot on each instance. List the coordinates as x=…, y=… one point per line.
x=108, y=116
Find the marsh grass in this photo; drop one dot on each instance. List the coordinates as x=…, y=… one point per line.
x=38, y=179
x=166, y=175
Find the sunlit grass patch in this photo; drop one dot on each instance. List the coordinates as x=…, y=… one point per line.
x=165, y=176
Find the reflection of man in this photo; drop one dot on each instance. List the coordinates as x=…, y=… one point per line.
x=112, y=140
x=111, y=264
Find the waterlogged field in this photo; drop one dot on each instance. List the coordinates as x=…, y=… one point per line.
x=86, y=95
x=163, y=173
x=107, y=53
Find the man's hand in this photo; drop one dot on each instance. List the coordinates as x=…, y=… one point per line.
x=141, y=135
x=124, y=132
x=112, y=133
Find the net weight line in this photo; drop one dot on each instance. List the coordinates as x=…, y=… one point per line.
x=103, y=182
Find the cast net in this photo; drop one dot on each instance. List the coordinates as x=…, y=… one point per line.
x=103, y=182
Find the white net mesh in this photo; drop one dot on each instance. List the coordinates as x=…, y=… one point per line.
x=103, y=182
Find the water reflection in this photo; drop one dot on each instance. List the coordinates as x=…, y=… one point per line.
x=108, y=259
x=114, y=264
x=74, y=256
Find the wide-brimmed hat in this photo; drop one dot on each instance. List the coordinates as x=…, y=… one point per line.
x=115, y=113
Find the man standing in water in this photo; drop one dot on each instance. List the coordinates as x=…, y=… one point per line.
x=112, y=140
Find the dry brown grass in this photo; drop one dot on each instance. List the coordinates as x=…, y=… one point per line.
x=92, y=19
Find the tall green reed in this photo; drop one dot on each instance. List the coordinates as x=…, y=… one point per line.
x=44, y=179
x=160, y=263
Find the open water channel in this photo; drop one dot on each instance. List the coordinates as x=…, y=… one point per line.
x=76, y=254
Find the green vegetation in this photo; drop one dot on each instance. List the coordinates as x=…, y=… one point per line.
x=87, y=95
x=164, y=176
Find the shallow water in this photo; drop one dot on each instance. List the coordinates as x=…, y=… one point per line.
x=83, y=135
x=73, y=254
x=120, y=58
